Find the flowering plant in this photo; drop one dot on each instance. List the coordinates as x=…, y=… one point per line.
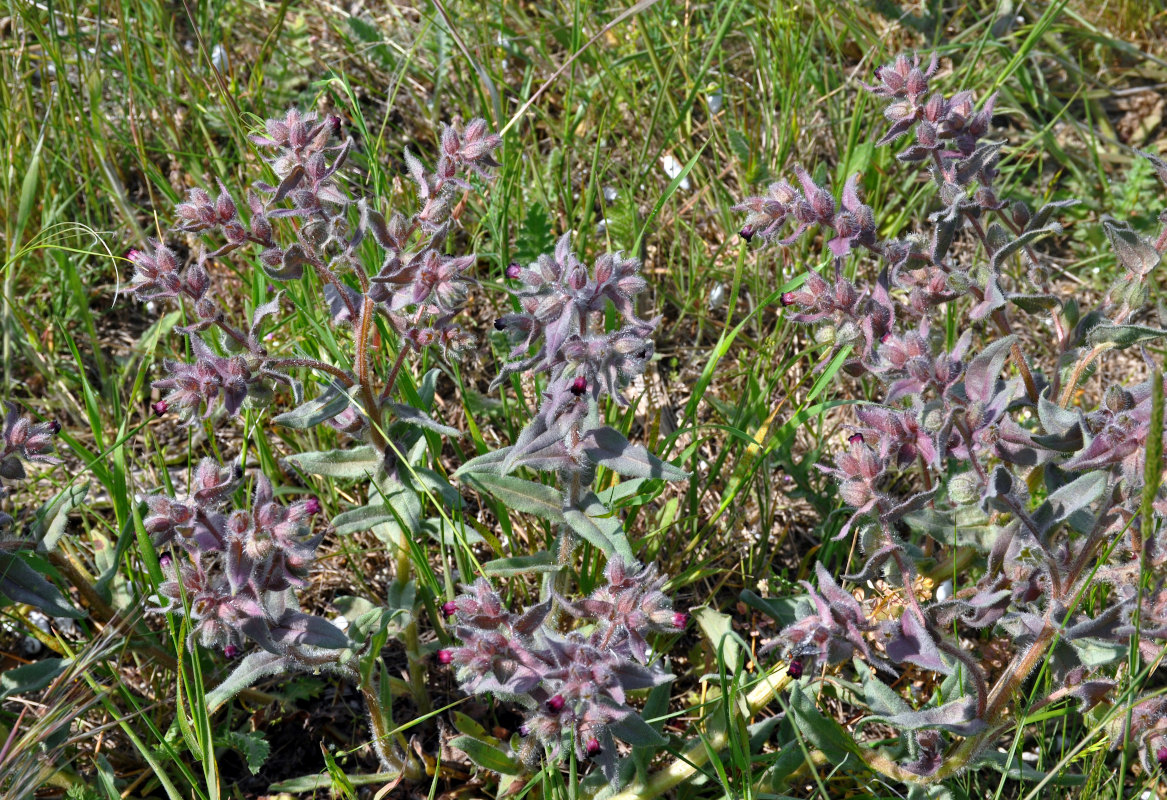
x=1056, y=509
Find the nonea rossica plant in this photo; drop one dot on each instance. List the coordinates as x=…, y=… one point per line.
x=389, y=288
x=571, y=663
x=979, y=465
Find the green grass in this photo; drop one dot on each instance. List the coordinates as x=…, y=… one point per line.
x=111, y=110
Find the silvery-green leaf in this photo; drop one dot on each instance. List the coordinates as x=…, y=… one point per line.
x=522, y=495
x=31, y=677
x=23, y=584
x=411, y=416
x=52, y=517
x=637, y=732
x=609, y=448
x=315, y=411
x=490, y=462
x=487, y=756
x=251, y=668
x=1122, y=336
x=358, y=462
x=542, y=561
x=1134, y=251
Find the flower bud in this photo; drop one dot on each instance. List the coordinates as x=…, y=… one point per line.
x=164, y=560
x=855, y=438
x=592, y=748
x=556, y=704
x=445, y=657
x=680, y=619
x=55, y=427
x=1161, y=757
x=513, y=271
x=579, y=386
x=312, y=506
x=794, y=668
x=747, y=232
x=449, y=608
x=499, y=325
x=160, y=407
x=788, y=298
x=230, y=651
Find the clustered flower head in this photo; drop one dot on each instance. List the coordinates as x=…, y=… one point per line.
x=977, y=446
x=26, y=442
x=574, y=684
x=561, y=320
x=236, y=570
x=417, y=287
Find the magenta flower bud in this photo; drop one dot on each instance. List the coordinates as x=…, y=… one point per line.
x=513, y=271
x=160, y=407
x=445, y=657
x=680, y=619
x=449, y=608
x=164, y=560
x=556, y=704
x=230, y=651
x=312, y=506
x=788, y=298
x=334, y=124
x=593, y=748
x=1161, y=757
x=579, y=386
x=856, y=438
x=747, y=232
x=794, y=668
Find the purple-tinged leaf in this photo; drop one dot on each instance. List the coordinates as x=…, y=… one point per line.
x=959, y=717
x=609, y=448
x=1135, y=252
x=980, y=377
x=290, y=182
x=913, y=642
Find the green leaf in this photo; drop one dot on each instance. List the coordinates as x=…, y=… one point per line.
x=359, y=462
x=1121, y=336
x=411, y=416
x=316, y=783
x=252, y=745
x=254, y=667
x=638, y=733
x=718, y=629
x=608, y=447
x=519, y=494
x=31, y=677
x=487, y=756
x=21, y=583
x=822, y=732
x=52, y=517
x=536, y=236
x=542, y=561
x=314, y=412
